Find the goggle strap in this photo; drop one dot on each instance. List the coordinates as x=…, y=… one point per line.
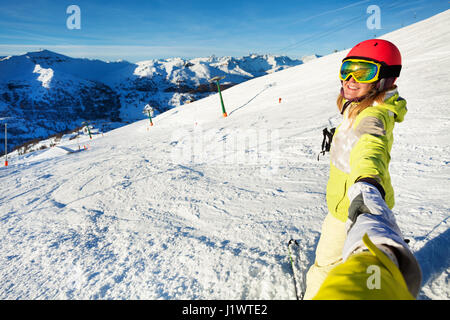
x=390, y=71
x=363, y=58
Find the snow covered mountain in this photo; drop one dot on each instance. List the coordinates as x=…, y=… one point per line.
x=45, y=92
x=201, y=207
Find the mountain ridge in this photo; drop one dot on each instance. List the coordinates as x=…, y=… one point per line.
x=44, y=92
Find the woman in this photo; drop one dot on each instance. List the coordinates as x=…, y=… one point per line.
x=360, y=150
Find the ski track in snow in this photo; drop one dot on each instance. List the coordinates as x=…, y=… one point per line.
x=201, y=207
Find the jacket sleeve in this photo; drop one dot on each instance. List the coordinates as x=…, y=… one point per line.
x=365, y=276
x=369, y=158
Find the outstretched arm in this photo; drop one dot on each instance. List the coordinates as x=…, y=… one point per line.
x=374, y=242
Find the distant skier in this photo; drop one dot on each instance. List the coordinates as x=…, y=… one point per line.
x=360, y=148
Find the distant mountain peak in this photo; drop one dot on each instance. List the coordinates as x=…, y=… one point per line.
x=46, y=58
x=44, y=53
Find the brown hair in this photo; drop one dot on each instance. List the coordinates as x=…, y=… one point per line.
x=356, y=108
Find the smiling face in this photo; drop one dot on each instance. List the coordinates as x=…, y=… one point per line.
x=353, y=89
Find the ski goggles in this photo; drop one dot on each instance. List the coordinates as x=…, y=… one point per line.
x=362, y=71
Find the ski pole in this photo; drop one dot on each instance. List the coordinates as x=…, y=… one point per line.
x=293, y=267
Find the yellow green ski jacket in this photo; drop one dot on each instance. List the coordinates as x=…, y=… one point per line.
x=361, y=150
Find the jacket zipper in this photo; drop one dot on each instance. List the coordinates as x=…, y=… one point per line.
x=342, y=198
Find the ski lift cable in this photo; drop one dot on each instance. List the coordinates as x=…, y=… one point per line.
x=350, y=21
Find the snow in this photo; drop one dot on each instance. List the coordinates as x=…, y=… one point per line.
x=202, y=207
x=306, y=59
x=45, y=75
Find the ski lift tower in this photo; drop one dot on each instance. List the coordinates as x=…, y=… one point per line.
x=216, y=80
x=86, y=123
x=150, y=112
x=6, y=139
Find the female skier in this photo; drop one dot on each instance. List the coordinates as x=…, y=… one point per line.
x=360, y=149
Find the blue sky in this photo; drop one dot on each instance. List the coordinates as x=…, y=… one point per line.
x=137, y=30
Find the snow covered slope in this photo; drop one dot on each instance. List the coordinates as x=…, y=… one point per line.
x=201, y=207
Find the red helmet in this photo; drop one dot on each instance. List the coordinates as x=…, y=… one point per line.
x=381, y=51
x=377, y=50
